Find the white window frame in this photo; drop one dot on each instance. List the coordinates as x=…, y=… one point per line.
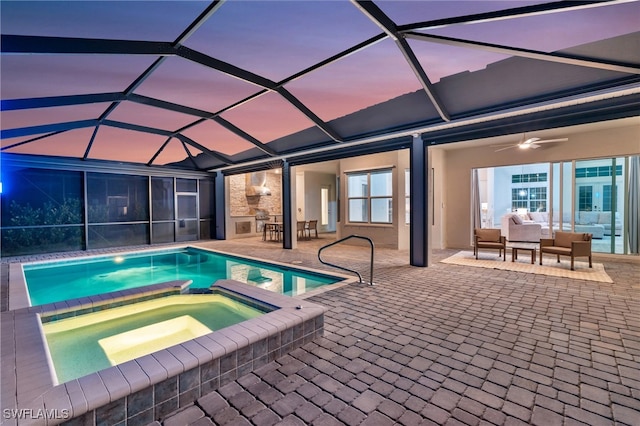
x=368, y=197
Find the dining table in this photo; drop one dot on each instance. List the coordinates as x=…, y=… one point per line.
x=274, y=228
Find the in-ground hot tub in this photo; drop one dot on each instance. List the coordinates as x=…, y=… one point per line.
x=87, y=343
x=148, y=387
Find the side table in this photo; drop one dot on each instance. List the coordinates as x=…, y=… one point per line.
x=531, y=247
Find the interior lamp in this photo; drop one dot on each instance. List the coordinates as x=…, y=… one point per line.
x=522, y=212
x=484, y=207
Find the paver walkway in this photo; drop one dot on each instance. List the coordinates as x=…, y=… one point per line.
x=446, y=345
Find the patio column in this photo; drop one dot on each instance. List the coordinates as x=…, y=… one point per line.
x=287, y=234
x=418, y=214
x=219, y=207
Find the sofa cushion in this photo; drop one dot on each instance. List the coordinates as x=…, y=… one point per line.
x=604, y=218
x=566, y=217
x=490, y=244
x=587, y=218
x=488, y=235
x=516, y=219
x=564, y=239
x=557, y=250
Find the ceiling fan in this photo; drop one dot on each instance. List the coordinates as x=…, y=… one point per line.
x=530, y=143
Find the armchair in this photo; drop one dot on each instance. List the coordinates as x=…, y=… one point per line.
x=490, y=239
x=572, y=244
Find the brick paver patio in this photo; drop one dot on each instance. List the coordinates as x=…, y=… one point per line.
x=445, y=345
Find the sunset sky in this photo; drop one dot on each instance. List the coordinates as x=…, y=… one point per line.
x=274, y=39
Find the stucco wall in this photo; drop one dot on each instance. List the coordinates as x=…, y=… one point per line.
x=383, y=235
x=437, y=173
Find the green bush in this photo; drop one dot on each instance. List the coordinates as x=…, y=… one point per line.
x=25, y=234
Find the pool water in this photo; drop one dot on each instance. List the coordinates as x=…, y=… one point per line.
x=70, y=279
x=87, y=343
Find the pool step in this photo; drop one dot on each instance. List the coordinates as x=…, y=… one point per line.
x=192, y=258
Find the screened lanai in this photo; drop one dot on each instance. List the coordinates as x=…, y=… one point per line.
x=129, y=124
x=224, y=87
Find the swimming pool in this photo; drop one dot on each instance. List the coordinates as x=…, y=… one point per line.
x=50, y=282
x=83, y=344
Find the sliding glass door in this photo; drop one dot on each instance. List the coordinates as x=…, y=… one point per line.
x=600, y=202
x=598, y=196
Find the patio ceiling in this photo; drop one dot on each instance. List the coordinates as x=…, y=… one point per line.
x=242, y=84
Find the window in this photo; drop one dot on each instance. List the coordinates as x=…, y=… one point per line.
x=601, y=171
x=538, y=199
x=370, y=197
x=529, y=178
x=585, y=198
x=606, y=198
x=532, y=199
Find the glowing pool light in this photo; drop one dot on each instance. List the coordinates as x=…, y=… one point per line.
x=144, y=340
x=118, y=259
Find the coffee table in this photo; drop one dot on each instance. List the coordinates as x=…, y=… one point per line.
x=516, y=246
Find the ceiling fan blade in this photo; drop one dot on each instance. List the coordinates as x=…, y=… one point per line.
x=552, y=140
x=534, y=145
x=505, y=148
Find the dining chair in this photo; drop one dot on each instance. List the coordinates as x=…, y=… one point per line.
x=312, y=226
x=301, y=227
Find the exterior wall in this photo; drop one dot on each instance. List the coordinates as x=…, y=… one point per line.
x=383, y=235
x=401, y=216
x=436, y=164
x=456, y=166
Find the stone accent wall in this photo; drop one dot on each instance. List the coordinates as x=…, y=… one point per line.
x=241, y=204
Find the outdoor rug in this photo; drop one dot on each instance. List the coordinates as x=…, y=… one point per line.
x=523, y=264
